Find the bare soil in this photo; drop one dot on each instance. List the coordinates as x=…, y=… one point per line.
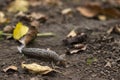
x=99, y=45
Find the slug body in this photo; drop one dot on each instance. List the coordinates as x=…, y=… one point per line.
x=42, y=53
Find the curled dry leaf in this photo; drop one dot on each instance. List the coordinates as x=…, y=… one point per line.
x=10, y=68
x=18, y=5
x=66, y=11
x=76, y=39
x=35, y=68
x=77, y=48
x=72, y=34
x=88, y=12
x=29, y=36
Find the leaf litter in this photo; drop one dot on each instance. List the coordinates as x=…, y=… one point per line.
x=10, y=69
x=36, y=68
x=74, y=40
x=18, y=5
x=74, y=45
x=94, y=9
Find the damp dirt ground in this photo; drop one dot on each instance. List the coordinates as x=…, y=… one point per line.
x=99, y=45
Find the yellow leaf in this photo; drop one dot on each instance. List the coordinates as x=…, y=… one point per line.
x=35, y=68
x=19, y=31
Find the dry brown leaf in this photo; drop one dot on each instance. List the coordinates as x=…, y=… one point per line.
x=110, y=12
x=87, y=12
x=35, y=68
x=72, y=34
x=76, y=39
x=66, y=11
x=30, y=35
x=10, y=68
x=91, y=10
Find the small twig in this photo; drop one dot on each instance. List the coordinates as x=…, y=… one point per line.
x=48, y=34
x=5, y=34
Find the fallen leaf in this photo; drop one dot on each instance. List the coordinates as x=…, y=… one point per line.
x=19, y=31
x=72, y=34
x=88, y=11
x=18, y=5
x=76, y=39
x=108, y=64
x=30, y=35
x=35, y=68
x=10, y=68
x=66, y=11
x=91, y=10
